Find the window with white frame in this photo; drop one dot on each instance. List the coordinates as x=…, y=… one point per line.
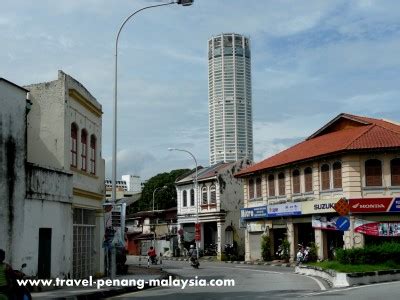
x=325, y=177
x=213, y=194
x=204, y=195
x=184, y=198
x=192, y=197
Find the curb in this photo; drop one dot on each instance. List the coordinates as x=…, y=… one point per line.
x=258, y=263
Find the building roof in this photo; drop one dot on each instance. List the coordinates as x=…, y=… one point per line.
x=204, y=173
x=344, y=133
x=12, y=83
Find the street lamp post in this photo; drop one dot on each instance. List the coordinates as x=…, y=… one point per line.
x=155, y=190
x=114, y=140
x=196, y=193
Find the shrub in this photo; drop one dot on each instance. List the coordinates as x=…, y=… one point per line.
x=373, y=254
x=266, y=248
x=313, y=253
x=286, y=250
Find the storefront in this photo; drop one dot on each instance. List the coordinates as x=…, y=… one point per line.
x=256, y=225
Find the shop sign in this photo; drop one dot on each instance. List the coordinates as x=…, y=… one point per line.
x=249, y=213
x=383, y=229
x=367, y=205
x=256, y=226
x=317, y=206
x=325, y=222
x=286, y=209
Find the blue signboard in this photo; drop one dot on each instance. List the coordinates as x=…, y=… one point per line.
x=287, y=209
x=259, y=212
x=343, y=223
x=395, y=205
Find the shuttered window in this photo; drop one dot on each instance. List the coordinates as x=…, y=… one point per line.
x=395, y=171
x=308, y=180
x=271, y=185
x=337, y=175
x=296, y=181
x=325, y=177
x=251, y=189
x=184, y=198
x=258, y=187
x=281, y=184
x=373, y=172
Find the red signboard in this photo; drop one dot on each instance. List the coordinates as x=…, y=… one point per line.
x=385, y=229
x=197, y=233
x=367, y=205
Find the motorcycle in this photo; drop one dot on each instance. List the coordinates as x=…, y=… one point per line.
x=153, y=260
x=194, y=262
x=302, y=254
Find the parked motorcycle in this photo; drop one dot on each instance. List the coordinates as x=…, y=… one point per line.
x=153, y=260
x=210, y=250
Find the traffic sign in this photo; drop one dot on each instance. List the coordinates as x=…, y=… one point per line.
x=343, y=223
x=342, y=207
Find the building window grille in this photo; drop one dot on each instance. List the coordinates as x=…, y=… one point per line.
x=192, y=197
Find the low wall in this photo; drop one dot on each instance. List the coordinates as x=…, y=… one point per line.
x=338, y=279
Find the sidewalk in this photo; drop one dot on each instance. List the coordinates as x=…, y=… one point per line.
x=135, y=273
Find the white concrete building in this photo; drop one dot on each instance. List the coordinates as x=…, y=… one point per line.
x=229, y=98
x=35, y=202
x=133, y=183
x=64, y=132
x=217, y=203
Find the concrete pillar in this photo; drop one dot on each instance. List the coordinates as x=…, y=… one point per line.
x=319, y=242
x=246, y=246
x=291, y=239
x=220, y=240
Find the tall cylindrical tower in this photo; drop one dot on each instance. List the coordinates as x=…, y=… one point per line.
x=229, y=98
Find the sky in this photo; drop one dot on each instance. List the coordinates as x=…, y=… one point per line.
x=311, y=60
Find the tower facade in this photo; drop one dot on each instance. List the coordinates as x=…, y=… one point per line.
x=229, y=98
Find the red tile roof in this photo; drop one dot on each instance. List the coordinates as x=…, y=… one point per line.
x=371, y=134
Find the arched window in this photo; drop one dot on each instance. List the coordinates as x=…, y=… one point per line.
x=281, y=184
x=84, y=150
x=271, y=185
x=296, y=181
x=213, y=194
x=204, y=195
x=251, y=189
x=337, y=175
x=395, y=171
x=192, y=197
x=184, y=198
x=74, y=145
x=93, y=146
x=325, y=177
x=373, y=172
x=258, y=187
x=308, y=180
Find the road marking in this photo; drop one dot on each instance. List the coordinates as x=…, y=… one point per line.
x=320, y=284
x=349, y=288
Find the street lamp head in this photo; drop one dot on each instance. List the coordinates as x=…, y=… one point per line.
x=185, y=2
x=171, y=149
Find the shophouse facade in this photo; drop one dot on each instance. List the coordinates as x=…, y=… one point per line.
x=293, y=193
x=216, y=206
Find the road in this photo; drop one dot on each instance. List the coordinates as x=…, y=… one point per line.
x=251, y=282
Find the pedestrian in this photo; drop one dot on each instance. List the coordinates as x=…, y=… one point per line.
x=5, y=277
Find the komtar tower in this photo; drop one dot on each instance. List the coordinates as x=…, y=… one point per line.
x=229, y=98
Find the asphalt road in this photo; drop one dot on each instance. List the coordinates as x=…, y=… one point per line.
x=251, y=282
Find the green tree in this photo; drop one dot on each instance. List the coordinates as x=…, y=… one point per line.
x=164, y=198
